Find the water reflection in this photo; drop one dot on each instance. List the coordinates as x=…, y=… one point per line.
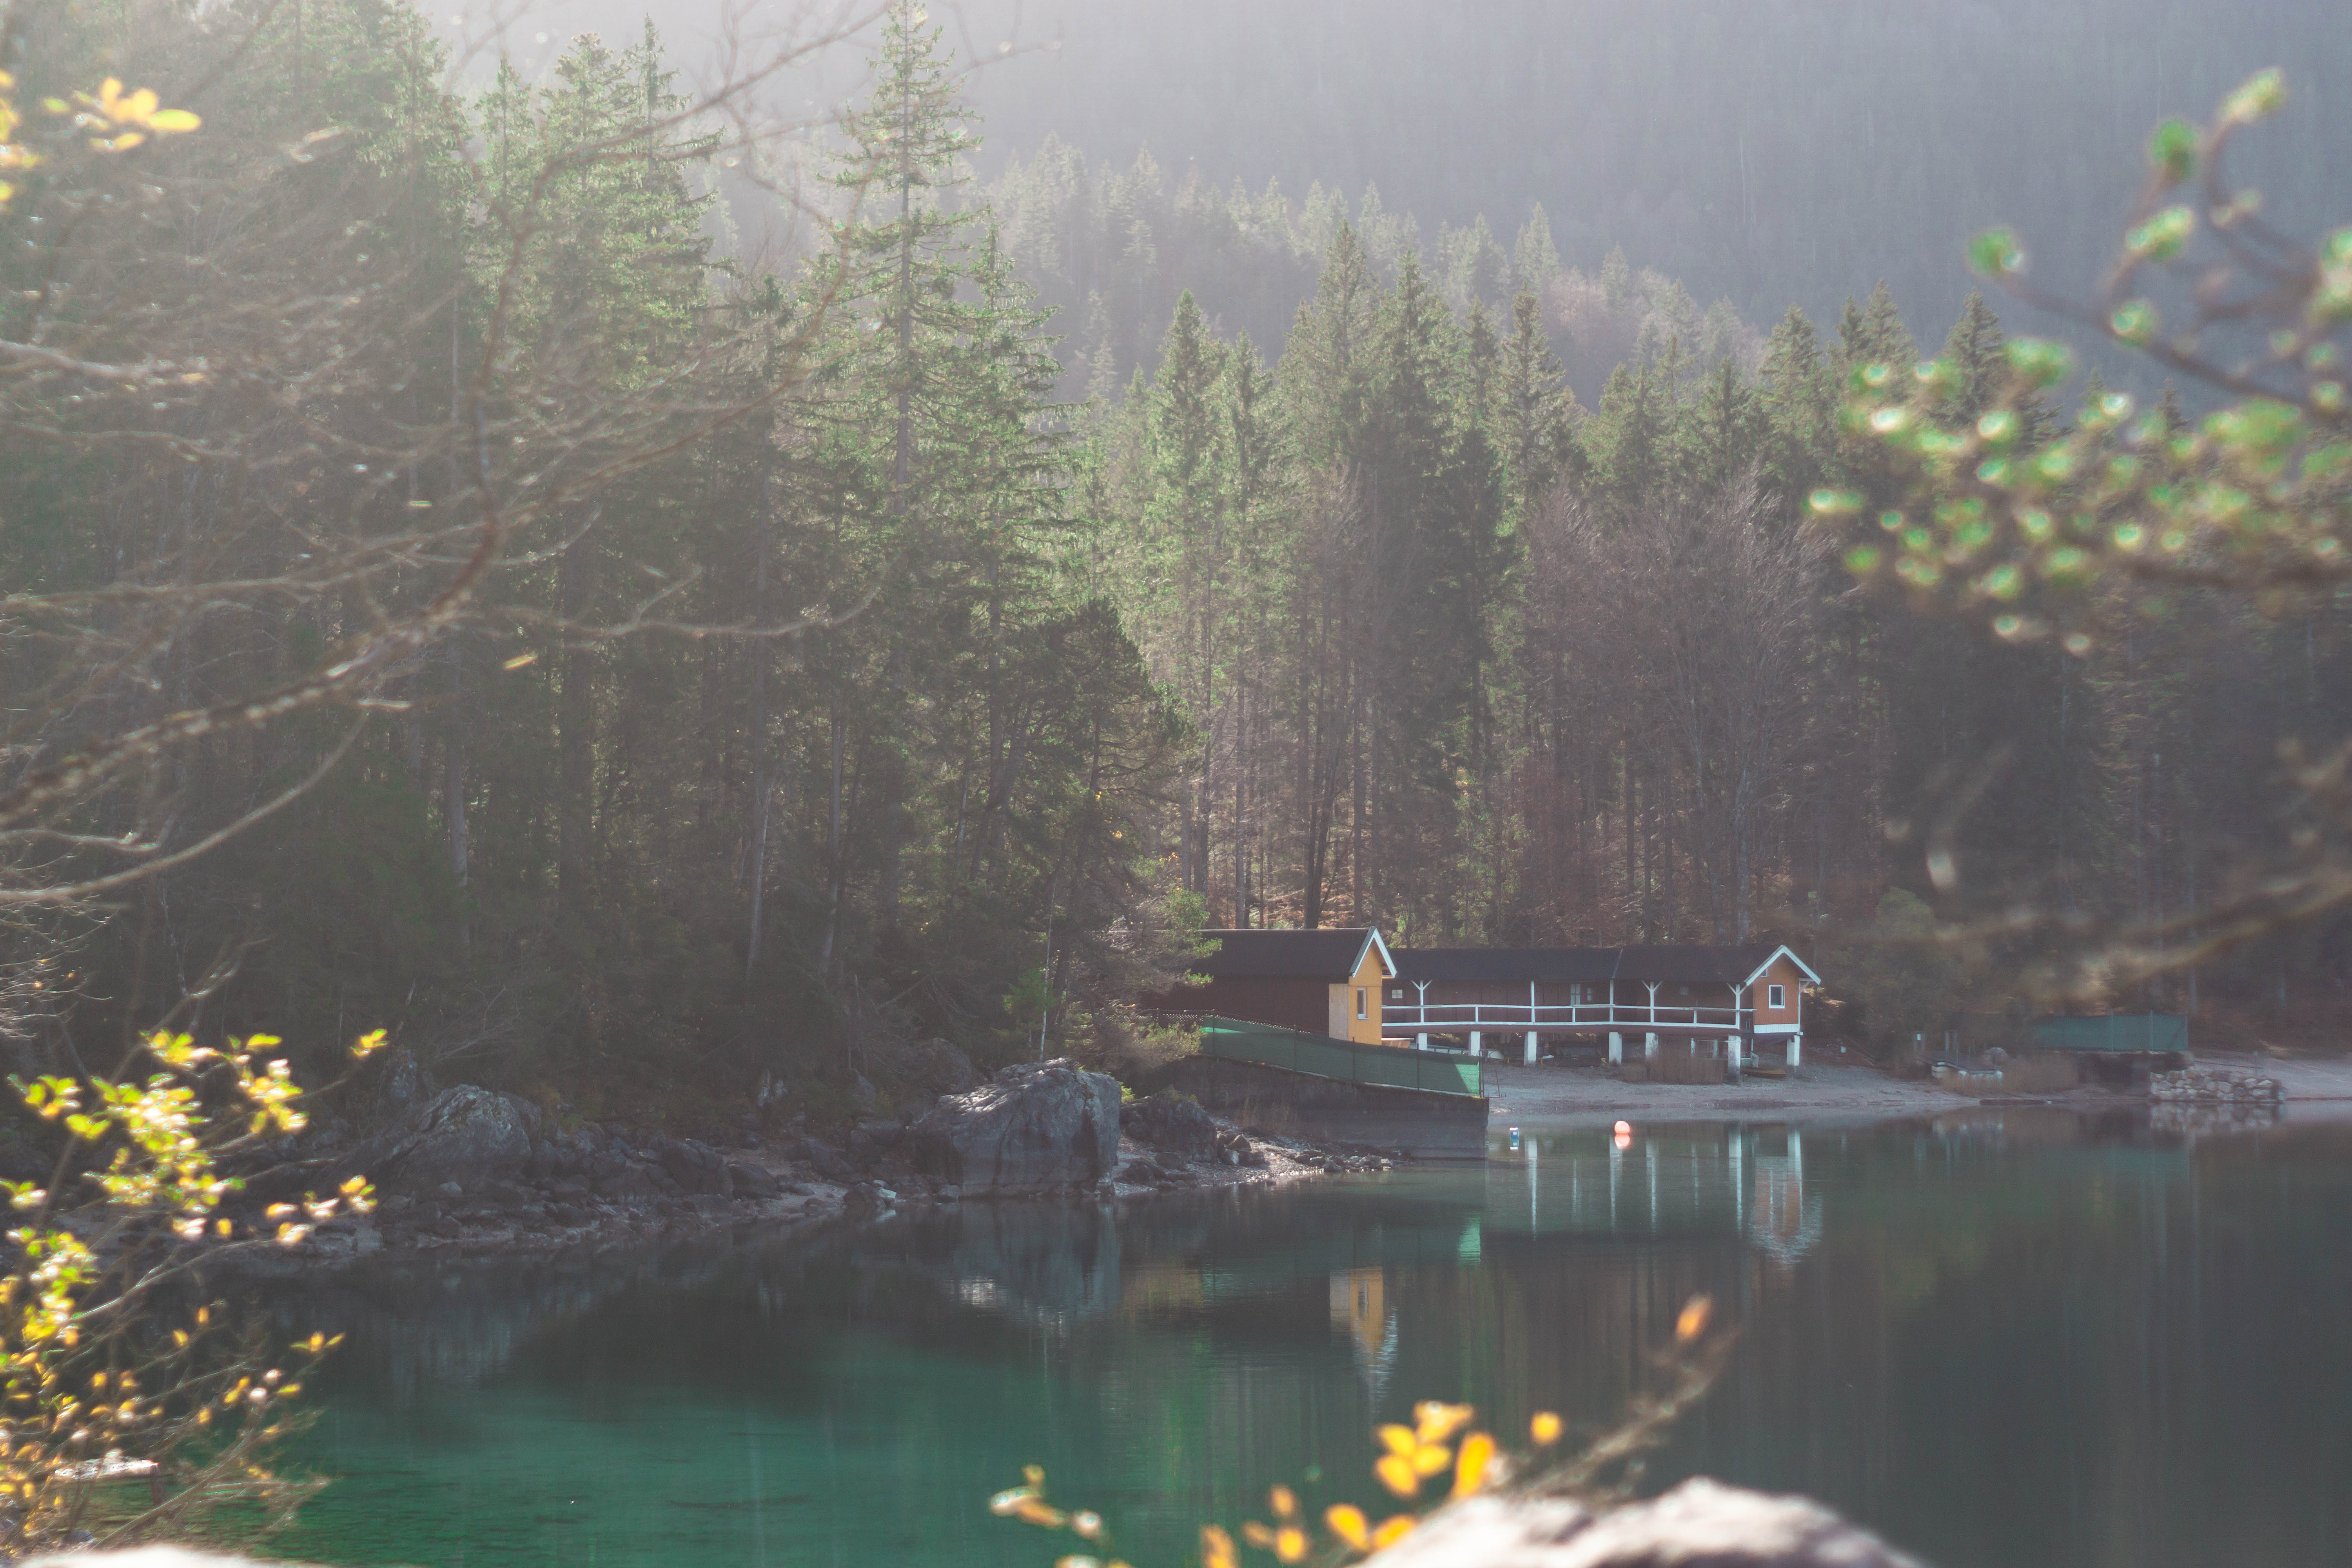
x=2009, y=1337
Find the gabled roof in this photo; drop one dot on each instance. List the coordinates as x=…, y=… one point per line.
x=1735, y=965
x=1331, y=954
x=1803, y=967
x=1689, y=965
x=1543, y=965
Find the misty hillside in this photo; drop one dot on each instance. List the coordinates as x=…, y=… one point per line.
x=1774, y=153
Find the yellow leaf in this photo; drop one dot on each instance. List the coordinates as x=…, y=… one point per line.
x=1396, y=1473
x=1216, y=1548
x=1545, y=1428
x=1435, y=1421
x=1289, y=1545
x=1693, y=1322
x=1470, y=1470
x=1400, y=1439
x=138, y=108
x=1258, y=1535
x=1284, y=1501
x=1348, y=1522
x=1392, y=1531
x=1430, y=1458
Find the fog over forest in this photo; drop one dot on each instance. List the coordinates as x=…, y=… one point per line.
x=1768, y=152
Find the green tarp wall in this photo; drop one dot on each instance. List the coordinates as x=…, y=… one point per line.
x=2116, y=1032
x=1326, y=1058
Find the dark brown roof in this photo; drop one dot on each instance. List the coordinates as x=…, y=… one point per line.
x=1723, y=965
x=1543, y=964
x=1325, y=953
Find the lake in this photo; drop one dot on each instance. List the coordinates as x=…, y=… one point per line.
x=2013, y=1339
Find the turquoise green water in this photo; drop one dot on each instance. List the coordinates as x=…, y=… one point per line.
x=2025, y=1342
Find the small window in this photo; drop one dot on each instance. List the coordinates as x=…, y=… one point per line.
x=1778, y=997
x=1359, y=1001
x=1396, y=992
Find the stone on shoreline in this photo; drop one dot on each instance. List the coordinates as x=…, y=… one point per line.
x=1035, y=1127
x=1699, y=1524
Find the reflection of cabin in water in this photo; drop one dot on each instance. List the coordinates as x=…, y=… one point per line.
x=1326, y=980
x=1710, y=996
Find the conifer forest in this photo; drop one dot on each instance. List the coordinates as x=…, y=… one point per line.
x=629, y=589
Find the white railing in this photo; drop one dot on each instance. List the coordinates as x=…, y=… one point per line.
x=1415, y=1018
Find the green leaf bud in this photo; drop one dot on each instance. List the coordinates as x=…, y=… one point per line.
x=2134, y=322
x=2161, y=237
x=1996, y=253
x=2172, y=150
x=2041, y=362
x=2260, y=95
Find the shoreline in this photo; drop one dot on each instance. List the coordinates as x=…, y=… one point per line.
x=805, y=1202
x=1552, y=1098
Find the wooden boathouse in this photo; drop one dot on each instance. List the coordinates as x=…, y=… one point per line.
x=1737, y=997
x=1326, y=980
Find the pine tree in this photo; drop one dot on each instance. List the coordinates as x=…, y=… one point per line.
x=1326, y=364
x=1535, y=261
x=1532, y=410
x=1799, y=404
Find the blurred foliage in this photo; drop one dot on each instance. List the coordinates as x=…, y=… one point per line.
x=1441, y=1458
x=2038, y=529
x=2126, y=525
x=102, y=1388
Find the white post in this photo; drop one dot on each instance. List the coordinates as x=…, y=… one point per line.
x=1475, y=1037
x=1739, y=1193
x=1650, y=1045
x=1421, y=1042
x=1531, y=1047
x=1616, y=1046
x=1796, y=1046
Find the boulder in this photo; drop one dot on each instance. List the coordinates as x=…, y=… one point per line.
x=1169, y=1121
x=1235, y=1149
x=753, y=1181
x=696, y=1168
x=1035, y=1127
x=1699, y=1524
x=465, y=1135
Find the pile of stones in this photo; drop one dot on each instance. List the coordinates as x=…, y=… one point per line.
x=2215, y=1086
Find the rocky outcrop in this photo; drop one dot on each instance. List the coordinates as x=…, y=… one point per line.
x=1033, y=1128
x=465, y=1135
x=1699, y=1524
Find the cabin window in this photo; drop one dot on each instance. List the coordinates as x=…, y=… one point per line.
x=1359, y=1001
x=1396, y=992
x=1777, y=996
